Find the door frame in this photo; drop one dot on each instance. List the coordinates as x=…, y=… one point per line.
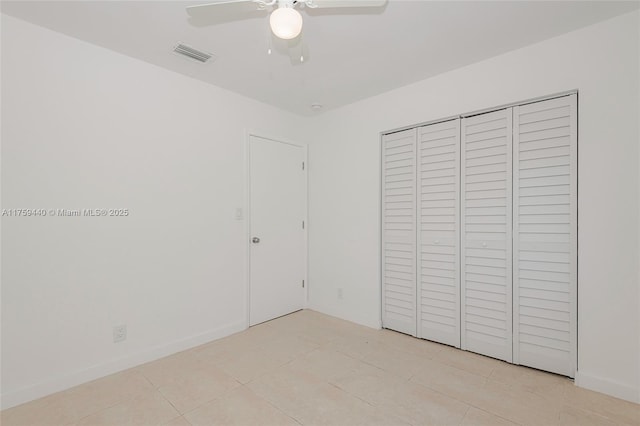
x=247, y=216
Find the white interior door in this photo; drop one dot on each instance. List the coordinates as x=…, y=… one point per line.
x=545, y=234
x=438, y=233
x=277, y=212
x=399, y=231
x=486, y=281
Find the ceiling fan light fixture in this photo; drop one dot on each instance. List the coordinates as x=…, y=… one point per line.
x=286, y=22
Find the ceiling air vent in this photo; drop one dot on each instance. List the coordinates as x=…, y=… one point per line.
x=192, y=53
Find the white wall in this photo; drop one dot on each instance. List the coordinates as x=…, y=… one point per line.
x=600, y=61
x=84, y=127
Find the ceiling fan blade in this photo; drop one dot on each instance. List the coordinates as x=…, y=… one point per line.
x=207, y=8
x=325, y=4
x=223, y=11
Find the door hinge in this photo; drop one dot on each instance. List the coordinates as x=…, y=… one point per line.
x=303, y=165
x=303, y=224
x=302, y=283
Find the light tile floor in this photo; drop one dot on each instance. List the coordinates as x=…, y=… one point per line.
x=309, y=368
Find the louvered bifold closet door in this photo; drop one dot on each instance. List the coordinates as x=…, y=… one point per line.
x=486, y=284
x=545, y=235
x=399, y=231
x=438, y=232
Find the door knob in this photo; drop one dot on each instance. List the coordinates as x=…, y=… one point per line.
x=255, y=240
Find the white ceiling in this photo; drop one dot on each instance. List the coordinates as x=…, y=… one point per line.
x=349, y=56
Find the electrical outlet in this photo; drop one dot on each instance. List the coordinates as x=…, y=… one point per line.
x=119, y=333
x=339, y=293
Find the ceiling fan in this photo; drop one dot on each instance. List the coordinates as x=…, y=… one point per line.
x=285, y=20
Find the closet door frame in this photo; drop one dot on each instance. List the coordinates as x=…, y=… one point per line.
x=574, y=217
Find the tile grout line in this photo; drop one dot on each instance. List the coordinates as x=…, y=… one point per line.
x=465, y=415
x=157, y=389
x=100, y=411
x=273, y=405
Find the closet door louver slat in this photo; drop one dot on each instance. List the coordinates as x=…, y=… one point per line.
x=399, y=231
x=545, y=234
x=486, y=257
x=438, y=279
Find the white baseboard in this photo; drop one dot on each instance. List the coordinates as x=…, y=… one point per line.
x=377, y=324
x=609, y=387
x=68, y=380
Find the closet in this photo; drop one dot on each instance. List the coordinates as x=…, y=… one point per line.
x=479, y=233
